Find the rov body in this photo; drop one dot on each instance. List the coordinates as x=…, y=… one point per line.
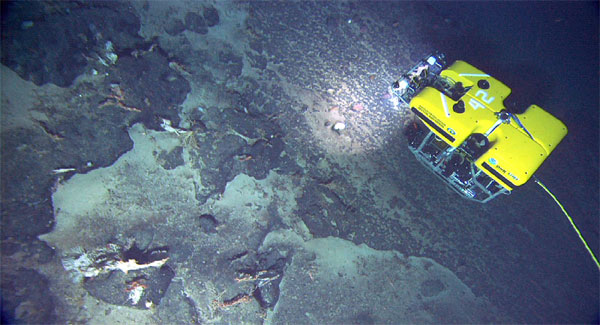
x=466, y=134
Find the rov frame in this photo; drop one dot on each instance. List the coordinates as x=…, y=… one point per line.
x=469, y=181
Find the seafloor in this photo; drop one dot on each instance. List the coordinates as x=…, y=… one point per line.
x=257, y=210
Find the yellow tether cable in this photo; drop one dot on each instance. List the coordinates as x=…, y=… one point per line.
x=570, y=220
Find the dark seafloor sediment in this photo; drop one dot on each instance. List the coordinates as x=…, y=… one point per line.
x=259, y=206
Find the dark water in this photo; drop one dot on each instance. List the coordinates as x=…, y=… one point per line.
x=548, y=52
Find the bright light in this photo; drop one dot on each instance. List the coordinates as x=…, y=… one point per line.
x=403, y=84
x=395, y=101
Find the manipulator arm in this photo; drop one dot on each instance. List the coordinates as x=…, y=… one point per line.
x=420, y=76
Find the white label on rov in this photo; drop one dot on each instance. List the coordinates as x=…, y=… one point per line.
x=484, y=96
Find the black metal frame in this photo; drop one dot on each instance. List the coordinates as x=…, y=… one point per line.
x=479, y=187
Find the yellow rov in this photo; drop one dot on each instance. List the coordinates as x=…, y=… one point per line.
x=466, y=135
